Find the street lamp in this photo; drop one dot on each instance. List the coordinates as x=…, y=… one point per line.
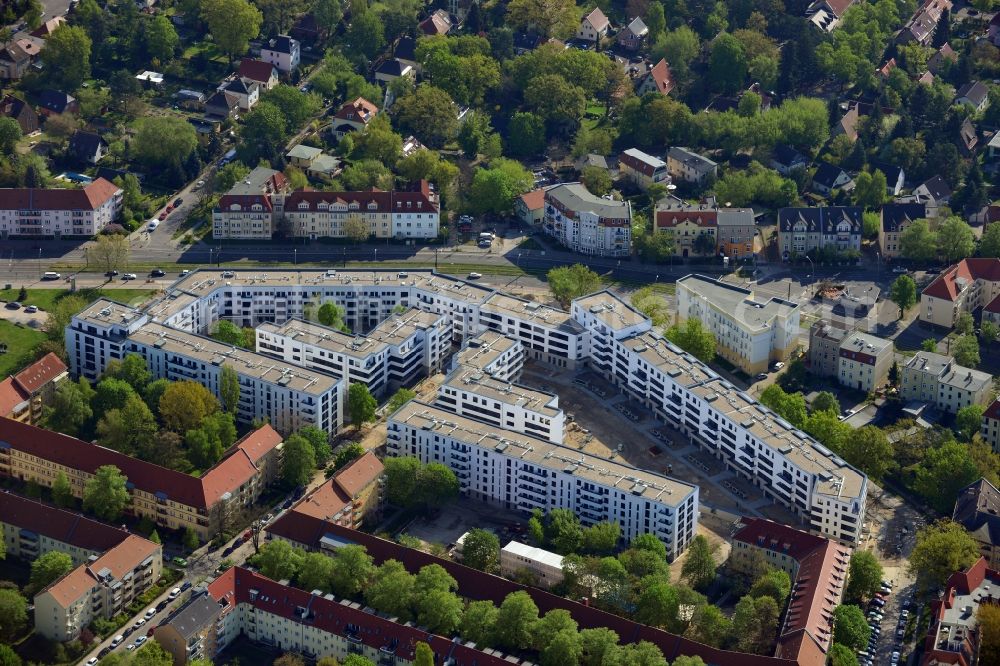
x=39, y=263
x=812, y=266
x=295, y=256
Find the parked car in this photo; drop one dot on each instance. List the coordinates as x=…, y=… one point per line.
x=31, y=309
x=138, y=623
x=180, y=561
x=228, y=274
x=184, y=272
x=174, y=593
x=152, y=225
x=163, y=215
x=160, y=606
x=150, y=612
x=129, y=276
x=247, y=535
x=157, y=272
x=13, y=305
x=186, y=586
x=177, y=202
x=475, y=276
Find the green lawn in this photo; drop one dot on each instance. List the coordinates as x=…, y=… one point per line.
x=46, y=299
x=21, y=342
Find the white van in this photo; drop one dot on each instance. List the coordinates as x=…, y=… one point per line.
x=50, y=275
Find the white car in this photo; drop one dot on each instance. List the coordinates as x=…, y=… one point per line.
x=899, y=269
x=153, y=224
x=475, y=276
x=129, y=276
x=92, y=661
x=138, y=623
x=174, y=593
x=150, y=612
x=117, y=641
x=139, y=641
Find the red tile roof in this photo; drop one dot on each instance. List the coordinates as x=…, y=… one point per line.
x=360, y=110
x=839, y=6
x=662, y=77
x=259, y=443
x=256, y=70
x=244, y=202
x=534, y=200
x=666, y=219
x=993, y=411
x=40, y=373
x=944, y=285
x=126, y=556
x=71, y=587
x=90, y=197
x=58, y=524
x=10, y=396
x=993, y=306
x=359, y=474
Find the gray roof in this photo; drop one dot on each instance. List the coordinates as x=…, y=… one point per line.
x=738, y=302
x=576, y=197
x=978, y=511
x=195, y=615
x=692, y=159
x=734, y=217
x=929, y=362
x=253, y=182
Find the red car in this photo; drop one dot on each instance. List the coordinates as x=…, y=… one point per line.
x=247, y=535
x=163, y=215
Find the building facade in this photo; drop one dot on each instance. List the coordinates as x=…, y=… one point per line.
x=693, y=228
x=283, y=52
x=737, y=233
x=689, y=166
x=751, y=334
x=25, y=394
x=642, y=169
x=991, y=425
x=864, y=362
x=55, y=212
x=825, y=338
x=977, y=509
x=894, y=219
x=803, y=230
x=939, y=381
x=586, y=223
x=519, y=560
x=967, y=286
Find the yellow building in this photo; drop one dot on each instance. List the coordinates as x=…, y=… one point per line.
x=22, y=396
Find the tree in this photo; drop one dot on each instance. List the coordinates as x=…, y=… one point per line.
x=49, y=568
x=563, y=531
x=479, y=623
x=111, y=393
x=263, y=133
x=940, y=550
x=398, y=399
x=233, y=24
x=989, y=245
x=826, y=402
x=210, y=439
x=356, y=228
x=109, y=251
x=298, y=460
x=132, y=370
x=7, y=655
x=969, y=420
x=495, y=188
x=775, y=584
x=423, y=655
x=164, y=141
x=755, y=622
x=525, y=135
x=154, y=536
x=10, y=134
x=360, y=404
x=596, y=179
x=642, y=653
x=401, y=479
x=571, y=282
x=105, y=493
x=869, y=450
x=329, y=314
x=481, y=550
x=864, y=576
x=870, y=189
x=430, y=114
x=966, y=351
x=66, y=56
x=699, y=564
x=279, y=560
x=956, y=238
x=320, y=441
x=190, y=539
x=709, y=625
x=555, y=99
x=918, y=242
x=70, y=408
x=850, y=627
x=439, y=611
x=727, y=65
x=347, y=454
x=903, y=293
x=366, y=35
x=693, y=337
x=296, y=106
x=436, y=485
x=841, y=655
x=229, y=389
x=988, y=616
x=391, y=590
x=289, y=659
x=965, y=324
x=601, y=537
x=650, y=543
x=227, y=176
x=516, y=621
x=62, y=492
x=944, y=471
x=161, y=38
x=352, y=570
x=989, y=332
x=184, y=405
x=328, y=14
x=557, y=18
x=229, y=333
x=658, y=604
x=566, y=647
x=13, y=613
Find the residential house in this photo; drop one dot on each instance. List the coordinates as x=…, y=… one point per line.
x=658, y=79
x=991, y=311
x=944, y=54
x=221, y=106
x=829, y=178
x=530, y=207
x=935, y=189
x=25, y=394
x=689, y=166
x=803, y=230
x=954, y=635
x=967, y=138
x=894, y=220
x=586, y=223
x=352, y=497
x=26, y=211
x=87, y=147
x=991, y=426
x=55, y=102
x=302, y=156
x=283, y=52
x=633, y=36
x=817, y=567
x=751, y=333
x=314, y=162
x=21, y=111
x=974, y=94
x=406, y=51
x=264, y=74
x=243, y=217
x=196, y=629
x=886, y=69
x=737, y=232
x=150, y=79
x=826, y=14
x=825, y=338
x=848, y=124
x=895, y=178
x=922, y=25
x=642, y=169
x=593, y=27
x=977, y=509
x=785, y=159
x=14, y=60
x=261, y=180
x=967, y=286
x=245, y=91
x=693, y=227
x=591, y=160
x=353, y=116
x=392, y=69
x=864, y=362
x=937, y=380
x=411, y=145
x=544, y=568
x=438, y=23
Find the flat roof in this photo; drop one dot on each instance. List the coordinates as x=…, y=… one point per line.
x=611, y=473
x=539, y=555
x=245, y=362
x=398, y=328
x=532, y=311
x=834, y=476
x=476, y=381
x=871, y=344
x=683, y=368
x=611, y=310
x=106, y=312
x=324, y=337
x=484, y=349
x=737, y=302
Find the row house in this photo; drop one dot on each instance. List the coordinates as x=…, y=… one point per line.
x=690, y=167
x=864, y=362
x=586, y=223
x=964, y=287
x=693, y=227
x=805, y=230
x=168, y=498
x=922, y=25
x=353, y=497
x=894, y=219
x=26, y=211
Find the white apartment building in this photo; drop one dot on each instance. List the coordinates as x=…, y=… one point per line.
x=544, y=566
x=547, y=334
x=937, y=380
x=864, y=361
x=473, y=393
x=97, y=335
x=967, y=286
x=521, y=473
x=587, y=223
x=789, y=466
x=283, y=52
x=26, y=211
x=750, y=333
x=493, y=353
